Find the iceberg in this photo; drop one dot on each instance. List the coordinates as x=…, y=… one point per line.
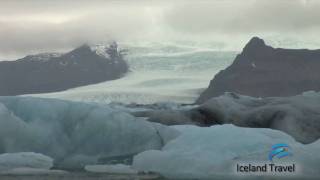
x=75, y=134
x=9, y=161
x=32, y=171
x=297, y=115
x=213, y=152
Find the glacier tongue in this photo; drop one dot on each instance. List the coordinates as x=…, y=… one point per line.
x=74, y=134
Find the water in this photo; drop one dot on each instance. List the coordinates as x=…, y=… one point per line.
x=158, y=73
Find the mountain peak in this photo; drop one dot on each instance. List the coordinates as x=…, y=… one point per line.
x=83, y=47
x=81, y=50
x=254, y=43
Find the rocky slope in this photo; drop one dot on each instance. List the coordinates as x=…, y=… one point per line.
x=51, y=72
x=264, y=71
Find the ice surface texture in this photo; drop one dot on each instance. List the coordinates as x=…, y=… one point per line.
x=212, y=152
x=158, y=73
x=299, y=116
x=74, y=134
x=24, y=160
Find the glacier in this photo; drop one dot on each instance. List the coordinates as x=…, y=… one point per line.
x=158, y=73
x=213, y=152
x=75, y=134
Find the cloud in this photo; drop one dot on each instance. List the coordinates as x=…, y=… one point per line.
x=32, y=26
x=59, y=26
x=245, y=16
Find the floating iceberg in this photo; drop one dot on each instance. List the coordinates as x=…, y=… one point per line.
x=213, y=152
x=75, y=134
x=9, y=161
x=299, y=116
x=32, y=171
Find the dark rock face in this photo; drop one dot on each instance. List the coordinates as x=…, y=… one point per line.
x=263, y=71
x=50, y=72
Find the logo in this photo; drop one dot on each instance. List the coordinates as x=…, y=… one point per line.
x=279, y=151
x=270, y=168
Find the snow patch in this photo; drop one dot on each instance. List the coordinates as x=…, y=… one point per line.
x=100, y=50
x=44, y=56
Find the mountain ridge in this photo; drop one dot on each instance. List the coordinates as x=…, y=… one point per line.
x=51, y=72
x=263, y=71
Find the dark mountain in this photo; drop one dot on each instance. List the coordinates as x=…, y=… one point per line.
x=50, y=72
x=264, y=71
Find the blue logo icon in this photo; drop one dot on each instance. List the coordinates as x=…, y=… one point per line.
x=279, y=151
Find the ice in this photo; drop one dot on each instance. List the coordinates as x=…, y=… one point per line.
x=75, y=134
x=297, y=115
x=155, y=78
x=32, y=171
x=9, y=161
x=112, y=169
x=212, y=152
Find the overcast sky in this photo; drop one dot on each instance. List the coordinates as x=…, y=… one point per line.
x=31, y=26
